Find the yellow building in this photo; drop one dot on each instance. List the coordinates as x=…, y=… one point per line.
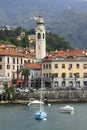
x=66, y=68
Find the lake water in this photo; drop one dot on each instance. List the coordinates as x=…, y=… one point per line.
x=21, y=117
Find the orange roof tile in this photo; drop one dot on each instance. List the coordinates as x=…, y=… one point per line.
x=36, y=66
x=10, y=52
x=65, y=54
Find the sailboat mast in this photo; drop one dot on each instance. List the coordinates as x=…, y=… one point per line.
x=41, y=94
x=41, y=86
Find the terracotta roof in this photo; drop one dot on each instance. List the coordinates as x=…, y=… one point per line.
x=34, y=66
x=30, y=56
x=66, y=54
x=10, y=52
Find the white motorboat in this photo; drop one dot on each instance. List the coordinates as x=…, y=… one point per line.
x=67, y=109
x=35, y=103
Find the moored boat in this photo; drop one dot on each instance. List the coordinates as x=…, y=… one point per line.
x=35, y=102
x=67, y=109
x=40, y=115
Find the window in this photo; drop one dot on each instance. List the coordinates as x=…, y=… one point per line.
x=47, y=75
x=56, y=65
x=85, y=75
x=77, y=66
x=13, y=60
x=70, y=75
x=56, y=74
x=85, y=66
x=44, y=74
x=21, y=61
x=70, y=67
x=0, y=59
x=63, y=66
x=70, y=57
x=56, y=83
x=49, y=66
x=17, y=61
x=25, y=61
x=39, y=36
x=46, y=66
x=8, y=60
x=28, y=61
x=36, y=73
x=71, y=84
x=0, y=66
x=8, y=66
x=21, y=67
x=77, y=75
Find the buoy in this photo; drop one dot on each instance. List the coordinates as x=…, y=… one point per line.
x=49, y=104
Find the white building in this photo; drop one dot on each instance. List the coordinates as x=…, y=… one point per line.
x=11, y=62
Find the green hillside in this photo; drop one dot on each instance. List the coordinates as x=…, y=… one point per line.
x=70, y=23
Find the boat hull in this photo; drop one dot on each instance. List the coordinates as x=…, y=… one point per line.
x=67, y=109
x=40, y=115
x=35, y=103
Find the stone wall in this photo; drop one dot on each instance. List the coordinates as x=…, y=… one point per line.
x=58, y=94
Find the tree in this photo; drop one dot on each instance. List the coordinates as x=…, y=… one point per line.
x=9, y=93
x=25, y=41
x=26, y=73
x=55, y=42
x=18, y=31
x=75, y=76
x=52, y=76
x=2, y=35
x=63, y=76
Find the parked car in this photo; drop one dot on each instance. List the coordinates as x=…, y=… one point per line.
x=32, y=89
x=42, y=89
x=22, y=90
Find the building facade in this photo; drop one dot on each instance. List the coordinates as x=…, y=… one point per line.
x=35, y=74
x=66, y=68
x=11, y=62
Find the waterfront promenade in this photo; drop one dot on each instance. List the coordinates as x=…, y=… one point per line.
x=56, y=96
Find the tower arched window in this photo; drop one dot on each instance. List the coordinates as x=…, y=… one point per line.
x=39, y=36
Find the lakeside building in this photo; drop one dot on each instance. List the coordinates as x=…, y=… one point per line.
x=32, y=38
x=11, y=62
x=66, y=68
x=35, y=74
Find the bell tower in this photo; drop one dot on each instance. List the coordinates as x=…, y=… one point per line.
x=40, y=39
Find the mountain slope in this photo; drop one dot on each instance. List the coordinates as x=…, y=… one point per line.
x=65, y=17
